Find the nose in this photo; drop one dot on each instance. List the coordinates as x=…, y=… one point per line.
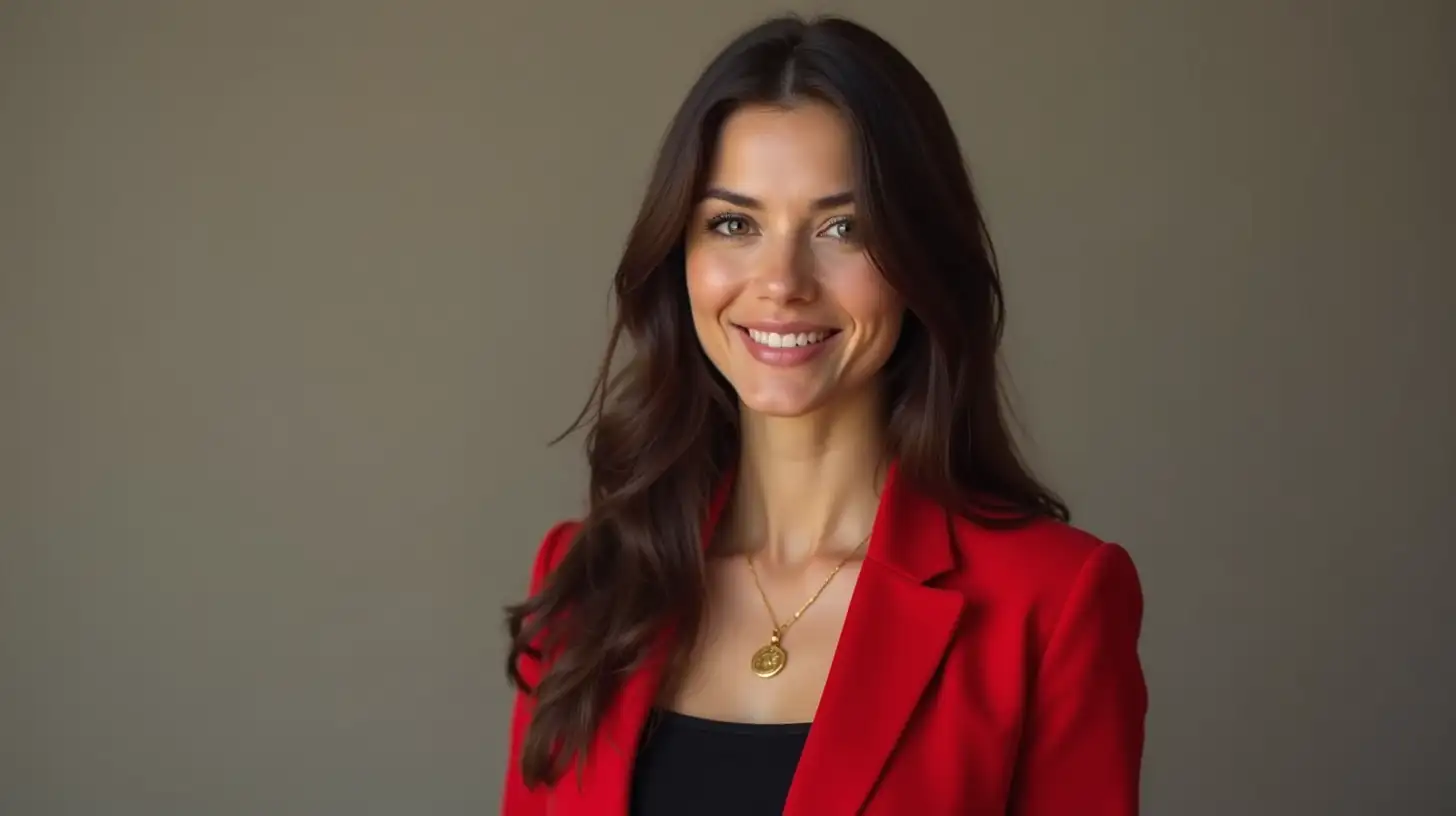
x=785, y=272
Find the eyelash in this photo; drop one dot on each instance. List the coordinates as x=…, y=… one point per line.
x=719, y=220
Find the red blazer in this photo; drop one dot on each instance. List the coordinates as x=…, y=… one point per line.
x=978, y=672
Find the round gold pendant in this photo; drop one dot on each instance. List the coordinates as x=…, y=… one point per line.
x=769, y=660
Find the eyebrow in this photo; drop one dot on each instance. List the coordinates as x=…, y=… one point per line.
x=749, y=202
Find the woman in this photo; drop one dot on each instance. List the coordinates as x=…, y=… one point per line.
x=814, y=577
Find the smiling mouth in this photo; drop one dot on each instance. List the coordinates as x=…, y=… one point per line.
x=788, y=340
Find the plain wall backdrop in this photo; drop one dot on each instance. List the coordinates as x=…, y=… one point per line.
x=293, y=295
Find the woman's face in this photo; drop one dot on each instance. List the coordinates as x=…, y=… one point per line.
x=785, y=299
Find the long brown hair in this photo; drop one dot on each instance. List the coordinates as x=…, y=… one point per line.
x=663, y=431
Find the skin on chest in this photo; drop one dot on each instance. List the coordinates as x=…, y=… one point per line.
x=718, y=681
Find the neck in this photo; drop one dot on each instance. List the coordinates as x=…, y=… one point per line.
x=808, y=487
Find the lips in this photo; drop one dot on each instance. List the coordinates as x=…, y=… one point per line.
x=789, y=345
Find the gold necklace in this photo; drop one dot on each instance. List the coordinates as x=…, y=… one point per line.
x=771, y=659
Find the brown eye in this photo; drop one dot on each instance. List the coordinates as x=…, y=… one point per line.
x=842, y=229
x=733, y=226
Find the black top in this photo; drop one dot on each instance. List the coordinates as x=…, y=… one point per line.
x=689, y=765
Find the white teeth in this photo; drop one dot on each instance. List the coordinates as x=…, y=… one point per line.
x=775, y=340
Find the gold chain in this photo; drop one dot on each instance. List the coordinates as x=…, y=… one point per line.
x=770, y=660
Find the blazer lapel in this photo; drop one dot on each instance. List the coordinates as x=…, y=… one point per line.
x=605, y=788
x=605, y=783
x=895, y=634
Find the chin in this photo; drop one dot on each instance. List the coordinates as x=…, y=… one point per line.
x=779, y=411
x=781, y=405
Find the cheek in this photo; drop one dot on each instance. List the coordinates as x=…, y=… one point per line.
x=862, y=293
x=712, y=285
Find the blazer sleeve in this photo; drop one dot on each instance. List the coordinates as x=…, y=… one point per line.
x=517, y=799
x=1083, y=739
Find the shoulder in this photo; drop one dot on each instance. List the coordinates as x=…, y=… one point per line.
x=1045, y=571
x=550, y=551
x=553, y=546
x=1042, y=554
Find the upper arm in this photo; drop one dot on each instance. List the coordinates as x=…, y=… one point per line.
x=1083, y=741
x=517, y=799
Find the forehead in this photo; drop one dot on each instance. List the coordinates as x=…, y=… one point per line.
x=785, y=153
